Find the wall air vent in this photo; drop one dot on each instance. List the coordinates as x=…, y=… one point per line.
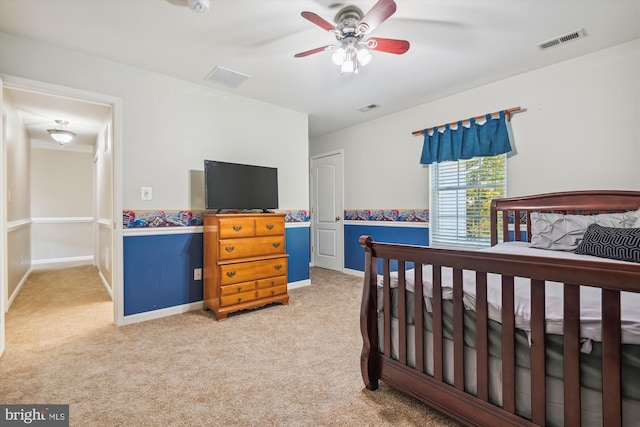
x=225, y=77
x=562, y=39
x=368, y=108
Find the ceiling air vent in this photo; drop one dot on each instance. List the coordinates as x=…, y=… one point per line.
x=368, y=108
x=226, y=77
x=562, y=39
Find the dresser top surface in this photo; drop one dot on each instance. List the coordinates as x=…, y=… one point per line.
x=243, y=214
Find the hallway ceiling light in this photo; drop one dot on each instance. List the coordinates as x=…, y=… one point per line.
x=61, y=135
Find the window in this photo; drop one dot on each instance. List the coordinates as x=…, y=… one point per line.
x=461, y=194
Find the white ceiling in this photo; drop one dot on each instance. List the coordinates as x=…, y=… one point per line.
x=455, y=45
x=39, y=112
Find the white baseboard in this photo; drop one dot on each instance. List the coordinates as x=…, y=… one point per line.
x=156, y=314
x=353, y=272
x=298, y=284
x=184, y=308
x=18, y=288
x=87, y=259
x=105, y=284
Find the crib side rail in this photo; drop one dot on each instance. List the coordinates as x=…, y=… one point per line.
x=470, y=409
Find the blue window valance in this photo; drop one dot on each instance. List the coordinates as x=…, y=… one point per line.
x=477, y=140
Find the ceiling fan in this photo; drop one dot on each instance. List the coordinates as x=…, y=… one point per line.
x=353, y=49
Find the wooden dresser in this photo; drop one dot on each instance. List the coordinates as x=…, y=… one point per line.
x=245, y=262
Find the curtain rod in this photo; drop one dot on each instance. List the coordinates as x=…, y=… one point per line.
x=507, y=113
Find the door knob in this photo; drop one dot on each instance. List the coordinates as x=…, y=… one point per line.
x=337, y=218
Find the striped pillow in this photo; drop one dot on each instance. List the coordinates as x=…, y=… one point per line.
x=607, y=242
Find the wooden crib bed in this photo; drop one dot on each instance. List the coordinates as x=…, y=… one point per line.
x=503, y=337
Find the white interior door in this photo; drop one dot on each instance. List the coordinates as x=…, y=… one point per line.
x=327, y=211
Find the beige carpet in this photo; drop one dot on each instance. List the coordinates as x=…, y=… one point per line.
x=295, y=365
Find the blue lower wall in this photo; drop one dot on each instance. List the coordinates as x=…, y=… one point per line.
x=354, y=253
x=523, y=235
x=158, y=269
x=297, y=240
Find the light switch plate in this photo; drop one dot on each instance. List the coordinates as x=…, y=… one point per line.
x=145, y=193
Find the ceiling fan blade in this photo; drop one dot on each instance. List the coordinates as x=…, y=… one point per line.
x=320, y=22
x=379, y=13
x=387, y=45
x=312, y=51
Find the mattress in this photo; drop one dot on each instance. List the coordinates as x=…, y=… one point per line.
x=590, y=301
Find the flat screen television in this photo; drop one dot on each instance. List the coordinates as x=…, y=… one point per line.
x=240, y=187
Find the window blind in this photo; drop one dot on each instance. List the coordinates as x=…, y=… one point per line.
x=461, y=194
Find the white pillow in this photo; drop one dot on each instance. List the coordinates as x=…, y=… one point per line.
x=637, y=214
x=556, y=231
x=564, y=232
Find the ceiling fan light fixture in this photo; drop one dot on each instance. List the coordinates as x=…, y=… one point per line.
x=364, y=57
x=348, y=66
x=352, y=52
x=338, y=56
x=61, y=135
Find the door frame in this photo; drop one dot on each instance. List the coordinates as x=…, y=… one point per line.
x=312, y=193
x=4, y=287
x=116, y=104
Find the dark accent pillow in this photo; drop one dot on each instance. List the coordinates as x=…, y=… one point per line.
x=607, y=242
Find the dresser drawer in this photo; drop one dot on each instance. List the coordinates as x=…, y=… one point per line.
x=238, y=288
x=236, y=227
x=238, y=298
x=269, y=226
x=249, y=247
x=253, y=270
x=271, y=281
x=270, y=292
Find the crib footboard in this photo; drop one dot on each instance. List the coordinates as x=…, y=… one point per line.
x=416, y=338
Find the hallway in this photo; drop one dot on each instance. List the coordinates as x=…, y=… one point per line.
x=56, y=304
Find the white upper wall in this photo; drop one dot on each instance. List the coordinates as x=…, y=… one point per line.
x=61, y=183
x=170, y=126
x=580, y=130
x=17, y=162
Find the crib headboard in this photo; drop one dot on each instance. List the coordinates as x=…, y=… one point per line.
x=516, y=211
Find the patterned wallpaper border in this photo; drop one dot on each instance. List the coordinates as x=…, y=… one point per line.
x=397, y=215
x=186, y=218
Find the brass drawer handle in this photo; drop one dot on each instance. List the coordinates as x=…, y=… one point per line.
x=231, y=273
x=277, y=266
x=239, y=299
x=229, y=248
x=237, y=227
x=269, y=226
x=276, y=244
x=239, y=288
x=273, y=293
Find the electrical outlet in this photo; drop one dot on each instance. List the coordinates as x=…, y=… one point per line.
x=197, y=274
x=145, y=193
